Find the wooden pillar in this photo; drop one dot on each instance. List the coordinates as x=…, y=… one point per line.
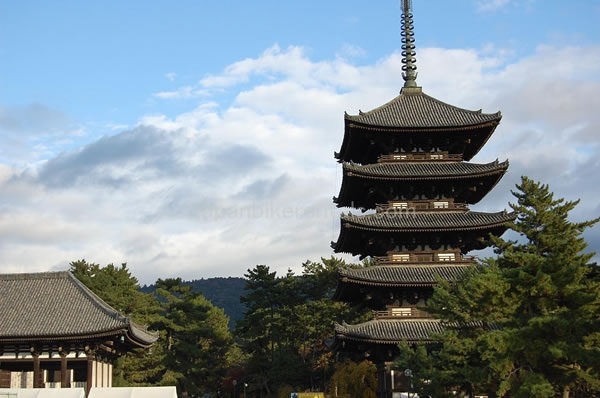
x=65, y=380
x=90, y=371
x=384, y=387
x=37, y=374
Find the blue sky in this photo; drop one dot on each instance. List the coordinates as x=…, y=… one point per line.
x=121, y=123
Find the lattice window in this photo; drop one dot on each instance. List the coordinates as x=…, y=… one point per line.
x=401, y=311
x=401, y=257
x=446, y=257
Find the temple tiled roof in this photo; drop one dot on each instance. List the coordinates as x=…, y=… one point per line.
x=425, y=170
x=403, y=275
x=441, y=221
x=393, y=331
x=419, y=110
x=57, y=306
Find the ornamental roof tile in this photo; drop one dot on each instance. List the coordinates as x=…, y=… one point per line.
x=419, y=110
x=403, y=275
x=425, y=170
x=411, y=221
x=56, y=305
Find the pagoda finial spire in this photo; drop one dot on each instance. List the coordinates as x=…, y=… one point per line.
x=409, y=68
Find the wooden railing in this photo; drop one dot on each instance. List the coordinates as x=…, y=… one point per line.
x=422, y=205
x=419, y=156
x=426, y=258
x=405, y=312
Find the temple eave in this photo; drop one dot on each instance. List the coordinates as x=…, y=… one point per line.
x=391, y=331
x=420, y=111
x=424, y=170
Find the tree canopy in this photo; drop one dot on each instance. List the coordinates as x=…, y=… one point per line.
x=527, y=322
x=286, y=325
x=194, y=344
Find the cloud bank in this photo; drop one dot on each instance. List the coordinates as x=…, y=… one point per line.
x=221, y=188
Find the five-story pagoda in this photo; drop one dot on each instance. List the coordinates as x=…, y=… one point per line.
x=408, y=161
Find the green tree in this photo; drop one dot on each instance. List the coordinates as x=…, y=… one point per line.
x=119, y=289
x=354, y=380
x=198, y=340
x=536, y=308
x=116, y=286
x=195, y=346
x=287, y=322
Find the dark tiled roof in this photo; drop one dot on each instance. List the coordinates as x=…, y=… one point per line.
x=442, y=221
x=395, y=331
x=55, y=305
x=392, y=331
x=403, y=275
x=419, y=110
x=425, y=170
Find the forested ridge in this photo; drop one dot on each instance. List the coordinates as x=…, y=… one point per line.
x=224, y=293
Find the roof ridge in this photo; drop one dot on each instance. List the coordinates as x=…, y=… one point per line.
x=34, y=275
x=478, y=112
x=98, y=302
x=361, y=113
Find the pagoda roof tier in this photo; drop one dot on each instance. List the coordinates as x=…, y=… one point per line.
x=402, y=275
x=396, y=331
x=378, y=233
x=417, y=110
x=415, y=120
x=425, y=170
x=390, y=331
x=364, y=186
x=423, y=222
x=351, y=281
x=56, y=306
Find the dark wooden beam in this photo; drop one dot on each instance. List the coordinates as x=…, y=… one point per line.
x=37, y=374
x=65, y=380
x=90, y=369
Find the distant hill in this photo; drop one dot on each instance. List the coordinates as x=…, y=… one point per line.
x=222, y=292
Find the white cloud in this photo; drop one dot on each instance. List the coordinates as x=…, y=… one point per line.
x=171, y=76
x=491, y=5
x=351, y=51
x=218, y=189
x=181, y=93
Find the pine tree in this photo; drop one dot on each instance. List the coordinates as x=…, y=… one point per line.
x=117, y=287
x=197, y=339
x=537, y=304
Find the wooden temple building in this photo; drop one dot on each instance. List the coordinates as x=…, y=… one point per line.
x=405, y=164
x=55, y=332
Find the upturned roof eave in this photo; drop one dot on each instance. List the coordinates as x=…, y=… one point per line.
x=352, y=223
x=135, y=337
x=65, y=336
x=485, y=118
x=349, y=277
x=364, y=171
x=425, y=129
x=346, y=332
